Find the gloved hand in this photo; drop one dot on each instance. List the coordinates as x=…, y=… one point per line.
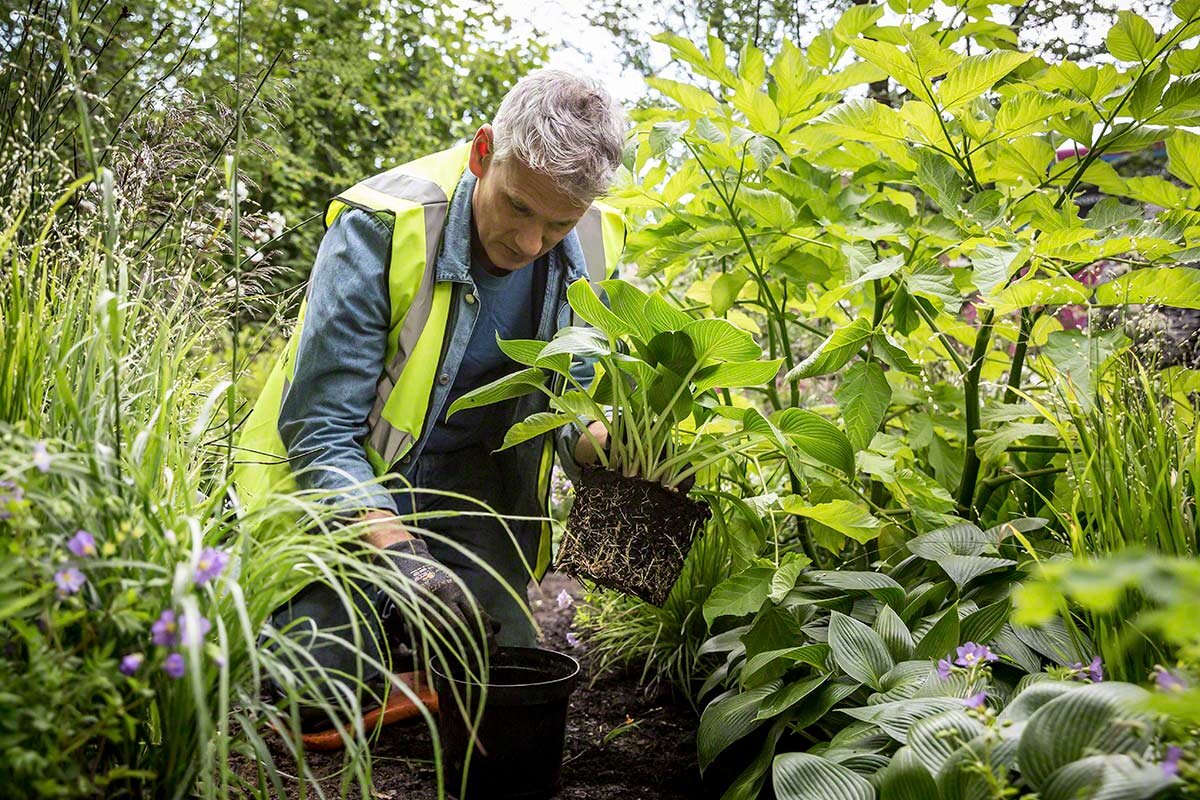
x=412, y=559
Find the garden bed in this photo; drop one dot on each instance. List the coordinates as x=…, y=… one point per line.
x=651, y=756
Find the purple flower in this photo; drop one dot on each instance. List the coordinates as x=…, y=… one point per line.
x=68, y=581
x=971, y=654
x=165, y=631
x=1170, y=764
x=82, y=544
x=1095, y=670
x=1168, y=681
x=190, y=637
x=564, y=600
x=976, y=701
x=219, y=660
x=131, y=663
x=211, y=563
x=572, y=639
x=41, y=458
x=174, y=666
x=944, y=667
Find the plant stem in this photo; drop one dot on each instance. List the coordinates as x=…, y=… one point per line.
x=966, y=489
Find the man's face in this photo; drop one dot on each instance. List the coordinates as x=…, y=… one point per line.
x=519, y=214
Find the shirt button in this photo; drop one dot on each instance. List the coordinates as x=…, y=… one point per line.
x=406, y=459
x=444, y=378
x=470, y=298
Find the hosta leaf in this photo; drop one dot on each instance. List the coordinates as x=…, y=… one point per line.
x=803, y=776
x=974, y=75
x=894, y=632
x=964, y=569
x=729, y=718
x=942, y=638
x=863, y=397
x=661, y=317
x=858, y=650
x=906, y=778
x=533, y=426
x=980, y=626
x=740, y=594
x=760, y=666
x=1033, y=697
x=934, y=739
x=628, y=302
x=587, y=305
x=843, y=516
x=789, y=695
x=725, y=290
x=737, y=374
x=517, y=384
x=1106, y=777
x=816, y=437
x=1054, y=641
x=961, y=777
x=720, y=340
x=882, y=587
x=576, y=341
x=964, y=539
x=835, y=351
x=897, y=717
x=1098, y=717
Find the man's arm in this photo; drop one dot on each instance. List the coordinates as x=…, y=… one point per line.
x=323, y=419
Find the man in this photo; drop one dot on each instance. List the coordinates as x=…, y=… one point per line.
x=421, y=269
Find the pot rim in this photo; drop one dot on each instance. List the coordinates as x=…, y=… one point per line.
x=567, y=662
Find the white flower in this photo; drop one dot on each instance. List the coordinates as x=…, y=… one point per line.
x=254, y=255
x=41, y=457
x=564, y=600
x=276, y=223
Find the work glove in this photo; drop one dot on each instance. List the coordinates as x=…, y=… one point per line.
x=411, y=558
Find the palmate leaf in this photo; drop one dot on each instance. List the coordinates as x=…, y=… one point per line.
x=835, y=351
x=974, y=75
x=533, y=426
x=803, y=776
x=517, y=384
x=858, y=650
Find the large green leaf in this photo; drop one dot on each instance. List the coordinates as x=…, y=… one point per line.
x=843, y=516
x=588, y=306
x=737, y=374
x=816, y=437
x=993, y=265
x=906, y=778
x=1132, y=38
x=882, y=587
x=1178, y=287
x=984, y=623
x=533, y=426
x=578, y=342
x=518, y=384
x=963, y=539
x=897, y=718
x=835, y=351
x=1033, y=697
x=974, y=75
x=770, y=664
x=1106, y=777
x=784, y=698
x=661, y=316
x=894, y=633
x=1100, y=717
x=719, y=340
x=934, y=739
x=628, y=302
x=863, y=397
x=858, y=650
x=964, y=569
x=942, y=638
x=803, y=776
x=740, y=594
x=728, y=719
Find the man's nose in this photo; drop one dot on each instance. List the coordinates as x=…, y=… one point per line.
x=529, y=239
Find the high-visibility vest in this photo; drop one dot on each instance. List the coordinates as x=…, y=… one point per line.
x=416, y=196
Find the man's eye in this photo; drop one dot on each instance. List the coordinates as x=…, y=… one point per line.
x=520, y=209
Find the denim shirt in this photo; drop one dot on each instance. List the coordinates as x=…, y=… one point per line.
x=342, y=348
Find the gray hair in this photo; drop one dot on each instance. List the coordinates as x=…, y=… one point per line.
x=564, y=126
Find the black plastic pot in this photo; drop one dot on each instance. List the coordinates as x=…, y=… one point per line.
x=519, y=744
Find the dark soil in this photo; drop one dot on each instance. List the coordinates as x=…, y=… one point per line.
x=649, y=754
x=629, y=534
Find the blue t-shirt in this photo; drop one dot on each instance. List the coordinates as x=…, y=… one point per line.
x=508, y=308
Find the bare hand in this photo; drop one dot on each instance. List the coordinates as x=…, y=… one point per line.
x=585, y=449
x=384, y=528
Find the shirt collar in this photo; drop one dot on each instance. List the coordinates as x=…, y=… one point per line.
x=454, y=257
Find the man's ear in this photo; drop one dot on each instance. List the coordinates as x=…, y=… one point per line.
x=481, y=150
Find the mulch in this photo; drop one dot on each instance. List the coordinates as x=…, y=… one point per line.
x=620, y=743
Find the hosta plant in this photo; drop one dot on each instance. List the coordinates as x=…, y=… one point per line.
x=661, y=381
x=846, y=656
